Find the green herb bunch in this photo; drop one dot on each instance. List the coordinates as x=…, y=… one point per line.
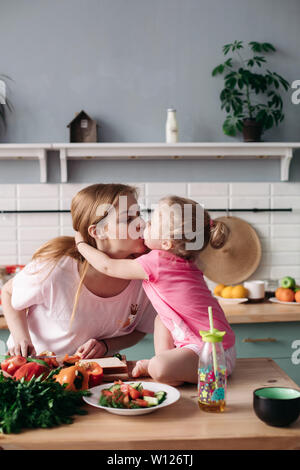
x=37, y=404
x=250, y=93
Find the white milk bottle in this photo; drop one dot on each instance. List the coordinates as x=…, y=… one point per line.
x=171, y=127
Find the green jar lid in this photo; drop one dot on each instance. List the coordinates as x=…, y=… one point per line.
x=214, y=336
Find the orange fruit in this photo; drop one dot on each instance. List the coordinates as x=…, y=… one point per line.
x=218, y=289
x=285, y=295
x=239, y=292
x=297, y=296
x=227, y=292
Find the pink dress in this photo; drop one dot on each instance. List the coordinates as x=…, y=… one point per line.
x=179, y=294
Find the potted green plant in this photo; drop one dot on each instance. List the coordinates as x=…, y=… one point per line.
x=251, y=96
x=5, y=104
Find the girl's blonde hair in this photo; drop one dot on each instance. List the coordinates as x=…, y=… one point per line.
x=215, y=232
x=84, y=213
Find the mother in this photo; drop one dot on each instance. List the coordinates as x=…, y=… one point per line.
x=58, y=285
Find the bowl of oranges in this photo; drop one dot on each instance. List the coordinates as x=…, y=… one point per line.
x=231, y=294
x=287, y=293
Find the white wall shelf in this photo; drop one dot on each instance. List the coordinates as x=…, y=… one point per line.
x=27, y=152
x=152, y=151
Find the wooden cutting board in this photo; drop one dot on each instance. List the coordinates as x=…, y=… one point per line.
x=238, y=259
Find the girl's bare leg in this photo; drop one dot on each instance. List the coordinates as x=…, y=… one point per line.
x=174, y=366
x=163, y=341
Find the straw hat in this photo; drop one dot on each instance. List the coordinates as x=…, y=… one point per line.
x=239, y=257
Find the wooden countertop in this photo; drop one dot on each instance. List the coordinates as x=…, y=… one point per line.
x=264, y=312
x=178, y=426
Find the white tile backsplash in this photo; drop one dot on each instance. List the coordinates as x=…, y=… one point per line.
x=249, y=189
x=207, y=189
x=285, y=231
x=38, y=204
x=43, y=190
x=249, y=202
x=285, y=202
x=164, y=189
x=285, y=189
x=38, y=233
x=7, y=191
x=37, y=220
x=8, y=248
x=22, y=234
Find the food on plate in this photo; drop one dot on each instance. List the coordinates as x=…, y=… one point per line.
x=36, y=404
x=218, y=289
x=95, y=372
x=130, y=395
x=284, y=294
x=231, y=292
x=74, y=377
x=287, y=282
x=30, y=369
x=12, y=364
x=297, y=296
x=239, y=292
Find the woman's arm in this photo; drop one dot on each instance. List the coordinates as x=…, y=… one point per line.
x=17, y=324
x=120, y=268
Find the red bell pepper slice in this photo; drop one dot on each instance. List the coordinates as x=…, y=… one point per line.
x=12, y=364
x=29, y=370
x=95, y=373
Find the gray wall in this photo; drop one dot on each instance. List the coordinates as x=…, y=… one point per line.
x=125, y=62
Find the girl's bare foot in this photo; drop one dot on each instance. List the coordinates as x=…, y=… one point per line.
x=141, y=368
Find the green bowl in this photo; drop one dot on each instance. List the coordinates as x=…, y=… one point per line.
x=277, y=406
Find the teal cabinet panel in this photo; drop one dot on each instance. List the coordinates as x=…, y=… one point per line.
x=4, y=334
x=292, y=370
x=284, y=334
x=144, y=349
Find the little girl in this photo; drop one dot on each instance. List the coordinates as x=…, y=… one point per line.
x=176, y=288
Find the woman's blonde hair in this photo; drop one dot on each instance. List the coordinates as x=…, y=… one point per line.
x=84, y=212
x=215, y=232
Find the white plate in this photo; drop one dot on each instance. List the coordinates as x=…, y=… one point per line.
x=172, y=396
x=276, y=301
x=231, y=301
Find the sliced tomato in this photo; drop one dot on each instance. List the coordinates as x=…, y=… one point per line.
x=107, y=393
x=147, y=393
x=140, y=402
x=133, y=392
x=12, y=364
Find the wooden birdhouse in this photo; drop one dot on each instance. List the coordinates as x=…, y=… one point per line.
x=83, y=128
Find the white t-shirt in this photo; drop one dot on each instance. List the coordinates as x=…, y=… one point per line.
x=49, y=297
